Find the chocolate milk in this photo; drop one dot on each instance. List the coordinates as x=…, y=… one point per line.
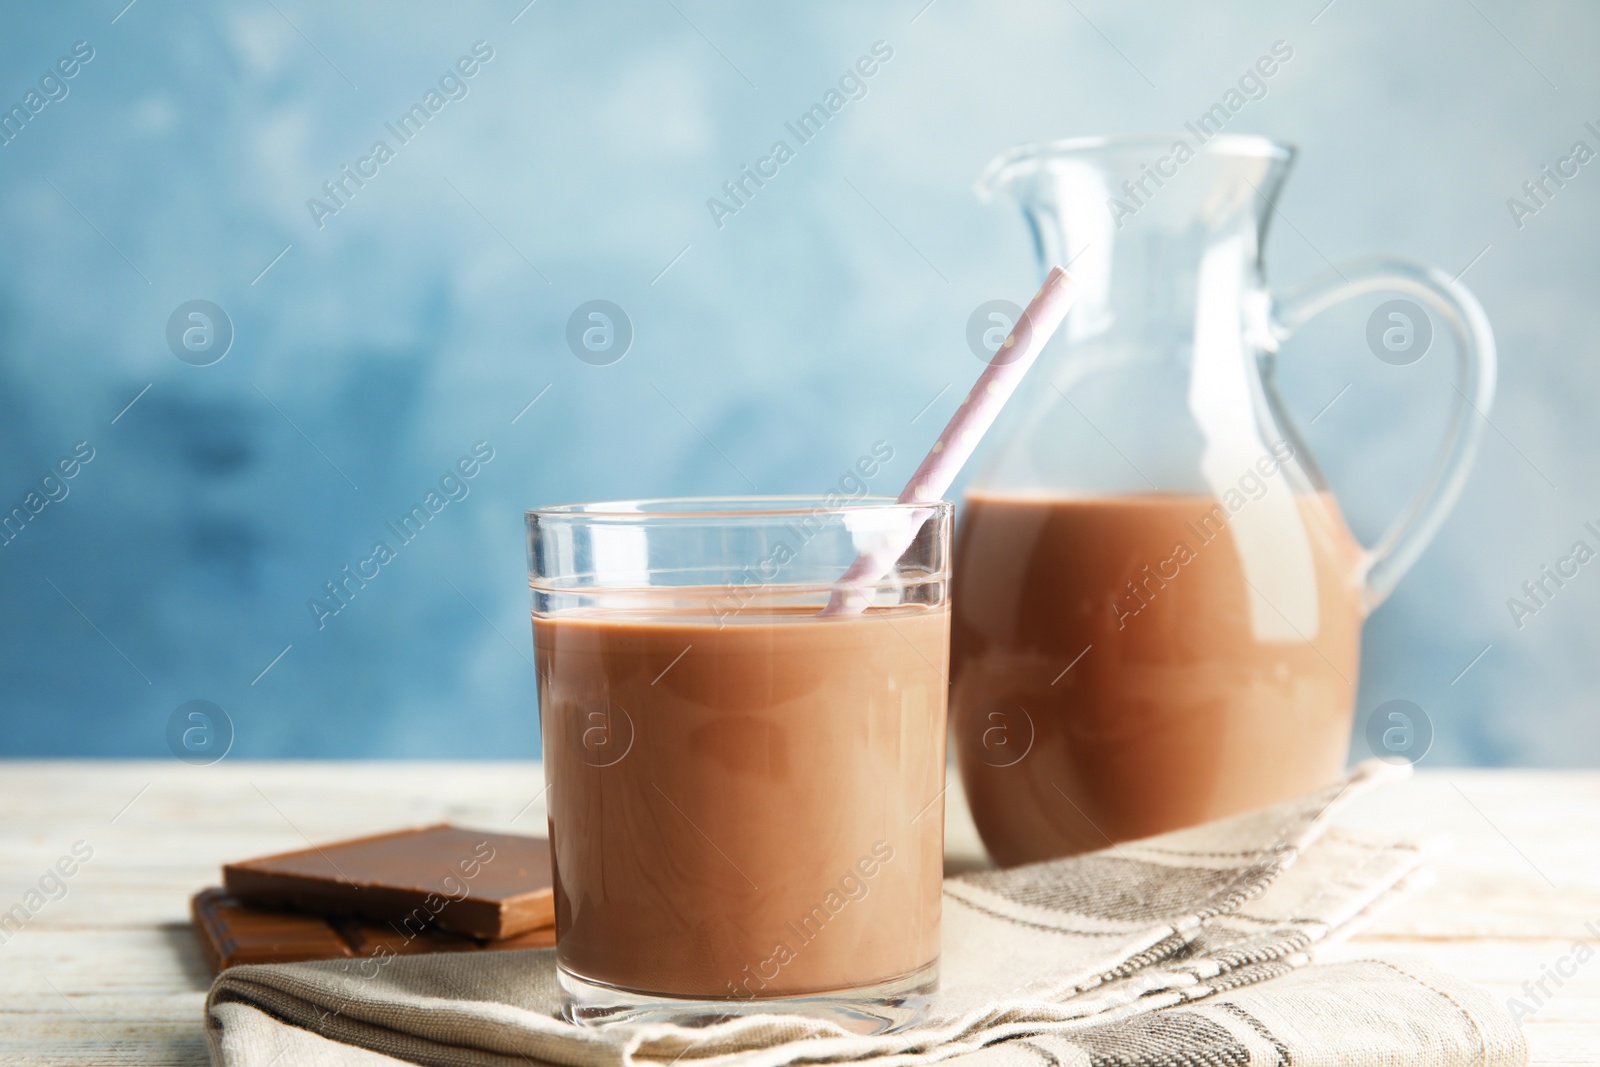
x=1123, y=666
x=745, y=811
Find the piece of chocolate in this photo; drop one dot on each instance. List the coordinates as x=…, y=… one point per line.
x=485, y=885
x=369, y=939
x=231, y=933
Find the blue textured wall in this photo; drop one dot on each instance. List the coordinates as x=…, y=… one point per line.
x=575, y=163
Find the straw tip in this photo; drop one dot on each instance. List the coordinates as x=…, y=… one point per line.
x=1061, y=276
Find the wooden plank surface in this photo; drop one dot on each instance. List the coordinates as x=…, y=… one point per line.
x=108, y=973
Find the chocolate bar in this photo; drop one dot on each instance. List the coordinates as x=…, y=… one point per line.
x=376, y=939
x=489, y=886
x=232, y=933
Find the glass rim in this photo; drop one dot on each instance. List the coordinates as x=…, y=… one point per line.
x=750, y=506
x=1238, y=145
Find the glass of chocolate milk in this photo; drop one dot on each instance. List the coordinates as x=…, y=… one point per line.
x=745, y=796
x=1158, y=604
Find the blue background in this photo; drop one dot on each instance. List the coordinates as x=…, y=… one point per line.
x=770, y=352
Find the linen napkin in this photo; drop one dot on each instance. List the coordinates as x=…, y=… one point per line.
x=1187, y=948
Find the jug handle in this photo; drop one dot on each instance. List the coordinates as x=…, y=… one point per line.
x=1387, y=560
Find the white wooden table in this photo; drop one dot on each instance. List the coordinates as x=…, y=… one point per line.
x=110, y=973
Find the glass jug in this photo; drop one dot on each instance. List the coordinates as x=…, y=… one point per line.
x=1157, y=602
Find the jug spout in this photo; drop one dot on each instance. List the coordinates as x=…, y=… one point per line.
x=1121, y=211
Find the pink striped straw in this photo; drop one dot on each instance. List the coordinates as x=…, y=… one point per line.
x=1037, y=324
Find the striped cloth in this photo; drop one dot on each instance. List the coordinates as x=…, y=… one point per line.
x=1192, y=948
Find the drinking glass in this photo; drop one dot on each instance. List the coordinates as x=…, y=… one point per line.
x=744, y=795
